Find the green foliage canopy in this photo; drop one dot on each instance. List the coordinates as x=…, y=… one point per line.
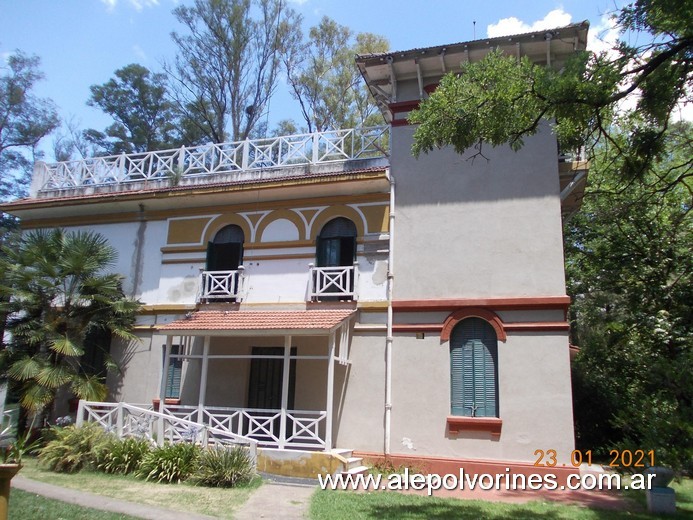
x=630, y=274
x=228, y=63
x=325, y=80
x=137, y=101
x=500, y=101
x=24, y=120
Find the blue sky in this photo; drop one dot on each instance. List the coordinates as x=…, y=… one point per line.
x=82, y=42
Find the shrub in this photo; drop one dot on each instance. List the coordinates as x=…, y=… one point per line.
x=224, y=467
x=170, y=463
x=123, y=456
x=74, y=448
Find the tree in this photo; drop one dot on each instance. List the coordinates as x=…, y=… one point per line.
x=24, y=120
x=59, y=302
x=325, y=80
x=69, y=142
x=630, y=274
x=498, y=100
x=228, y=64
x=137, y=101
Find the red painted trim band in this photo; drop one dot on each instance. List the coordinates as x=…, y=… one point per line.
x=404, y=106
x=522, y=303
x=417, y=327
x=531, y=326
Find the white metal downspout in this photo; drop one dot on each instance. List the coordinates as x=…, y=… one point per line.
x=388, y=339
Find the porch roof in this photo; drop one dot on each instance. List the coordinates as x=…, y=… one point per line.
x=241, y=323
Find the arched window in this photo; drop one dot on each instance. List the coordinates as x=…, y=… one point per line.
x=336, y=244
x=225, y=251
x=474, y=369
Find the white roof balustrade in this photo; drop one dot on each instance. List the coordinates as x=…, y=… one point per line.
x=214, y=162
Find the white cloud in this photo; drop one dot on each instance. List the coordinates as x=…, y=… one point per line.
x=512, y=25
x=138, y=5
x=603, y=36
x=137, y=50
x=110, y=4
x=141, y=4
x=298, y=2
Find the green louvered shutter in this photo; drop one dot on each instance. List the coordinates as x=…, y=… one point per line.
x=457, y=370
x=473, y=370
x=175, y=368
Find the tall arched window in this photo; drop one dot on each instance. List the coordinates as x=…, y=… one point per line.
x=336, y=243
x=474, y=369
x=225, y=251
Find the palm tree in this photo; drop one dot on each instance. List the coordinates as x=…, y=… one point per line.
x=57, y=297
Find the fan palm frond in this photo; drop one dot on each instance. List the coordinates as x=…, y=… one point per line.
x=35, y=397
x=89, y=388
x=25, y=368
x=54, y=376
x=66, y=347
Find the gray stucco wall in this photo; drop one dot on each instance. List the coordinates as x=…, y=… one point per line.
x=534, y=400
x=477, y=228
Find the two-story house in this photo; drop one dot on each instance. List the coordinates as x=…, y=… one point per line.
x=326, y=291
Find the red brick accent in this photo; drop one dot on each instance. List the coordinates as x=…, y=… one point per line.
x=442, y=465
x=472, y=312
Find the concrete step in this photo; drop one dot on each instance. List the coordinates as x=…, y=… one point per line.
x=356, y=470
x=343, y=453
x=354, y=462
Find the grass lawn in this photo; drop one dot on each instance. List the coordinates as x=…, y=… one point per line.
x=332, y=505
x=217, y=502
x=28, y=506
x=349, y=505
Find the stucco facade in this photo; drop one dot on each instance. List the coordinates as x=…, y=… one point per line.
x=437, y=241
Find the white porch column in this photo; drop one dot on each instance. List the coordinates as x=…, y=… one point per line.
x=164, y=370
x=162, y=387
x=330, y=391
x=203, y=381
x=285, y=391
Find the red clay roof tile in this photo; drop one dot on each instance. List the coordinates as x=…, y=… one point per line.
x=260, y=320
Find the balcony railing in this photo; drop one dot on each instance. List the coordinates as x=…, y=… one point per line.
x=220, y=285
x=140, y=421
x=274, y=428
x=213, y=159
x=332, y=282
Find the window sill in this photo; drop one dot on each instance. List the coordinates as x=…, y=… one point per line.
x=492, y=425
x=168, y=400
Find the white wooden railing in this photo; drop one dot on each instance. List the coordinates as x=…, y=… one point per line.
x=218, y=285
x=127, y=420
x=332, y=282
x=272, y=428
x=215, y=158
